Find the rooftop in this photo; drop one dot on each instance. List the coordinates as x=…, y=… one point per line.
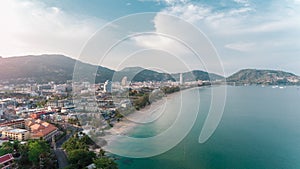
x=5, y=158
x=17, y=130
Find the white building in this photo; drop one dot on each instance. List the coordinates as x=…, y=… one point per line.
x=124, y=81
x=181, y=79
x=107, y=86
x=15, y=134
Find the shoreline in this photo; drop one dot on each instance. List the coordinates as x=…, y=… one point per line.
x=140, y=117
x=134, y=119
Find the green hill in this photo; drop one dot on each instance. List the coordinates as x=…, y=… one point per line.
x=59, y=68
x=269, y=77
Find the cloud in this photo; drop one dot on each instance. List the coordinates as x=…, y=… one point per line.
x=153, y=41
x=172, y=2
x=182, y=40
x=243, y=2
x=239, y=28
x=241, y=46
x=188, y=11
x=240, y=10
x=273, y=26
x=258, y=31
x=31, y=27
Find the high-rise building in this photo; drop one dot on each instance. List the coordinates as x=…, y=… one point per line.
x=181, y=79
x=107, y=86
x=124, y=81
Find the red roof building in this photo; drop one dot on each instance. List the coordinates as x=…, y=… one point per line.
x=41, y=129
x=6, y=161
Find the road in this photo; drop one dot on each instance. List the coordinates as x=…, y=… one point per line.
x=61, y=158
x=60, y=154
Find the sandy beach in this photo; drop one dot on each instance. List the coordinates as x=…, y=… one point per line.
x=146, y=115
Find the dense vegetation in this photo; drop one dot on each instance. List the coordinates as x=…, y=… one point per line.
x=79, y=155
x=141, y=101
x=169, y=90
x=268, y=77
x=147, y=95
x=32, y=155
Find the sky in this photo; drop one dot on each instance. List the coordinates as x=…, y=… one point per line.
x=245, y=33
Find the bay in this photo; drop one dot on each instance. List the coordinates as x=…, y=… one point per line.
x=260, y=129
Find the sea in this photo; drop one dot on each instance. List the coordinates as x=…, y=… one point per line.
x=259, y=129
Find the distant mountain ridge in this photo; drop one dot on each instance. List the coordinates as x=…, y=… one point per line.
x=59, y=68
x=38, y=68
x=139, y=74
x=195, y=75
x=43, y=68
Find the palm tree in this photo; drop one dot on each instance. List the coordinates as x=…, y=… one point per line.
x=7, y=147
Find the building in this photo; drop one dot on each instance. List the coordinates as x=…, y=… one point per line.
x=60, y=88
x=41, y=129
x=59, y=103
x=40, y=115
x=107, y=86
x=44, y=87
x=7, y=161
x=124, y=81
x=15, y=134
x=18, y=123
x=181, y=79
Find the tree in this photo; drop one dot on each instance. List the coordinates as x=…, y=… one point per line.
x=10, y=147
x=7, y=147
x=105, y=163
x=142, y=101
x=37, y=148
x=77, y=142
x=23, y=150
x=79, y=155
x=81, y=158
x=47, y=161
x=86, y=139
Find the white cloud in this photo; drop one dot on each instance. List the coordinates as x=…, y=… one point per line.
x=183, y=41
x=153, y=41
x=189, y=12
x=273, y=26
x=243, y=2
x=172, y=2
x=241, y=46
x=255, y=31
x=31, y=27
x=240, y=10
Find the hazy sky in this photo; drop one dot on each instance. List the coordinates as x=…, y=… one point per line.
x=245, y=33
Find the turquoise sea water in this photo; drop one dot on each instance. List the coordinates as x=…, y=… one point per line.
x=260, y=129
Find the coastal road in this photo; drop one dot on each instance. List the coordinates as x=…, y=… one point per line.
x=61, y=158
x=60, y=154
